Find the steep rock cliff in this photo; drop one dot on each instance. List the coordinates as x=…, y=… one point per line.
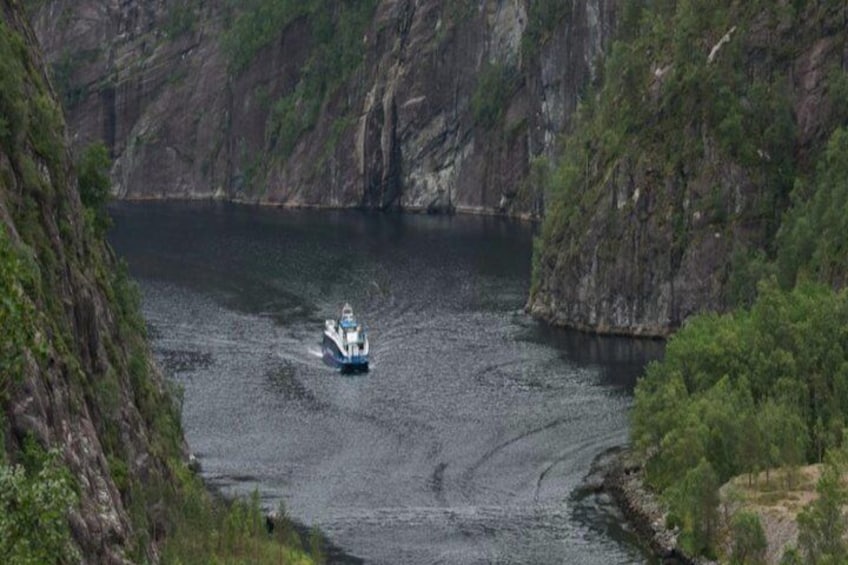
x=447, y=108
x=78, y=377
x=673, y=187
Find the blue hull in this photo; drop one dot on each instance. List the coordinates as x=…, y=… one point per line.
x=335, y=358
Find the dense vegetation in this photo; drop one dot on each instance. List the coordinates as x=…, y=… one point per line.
x=17, y=333
x=742, y=393
x=765, y=387
x=812, y=241
x=204, y=530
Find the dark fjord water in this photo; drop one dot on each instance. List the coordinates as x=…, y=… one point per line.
x=468, y=440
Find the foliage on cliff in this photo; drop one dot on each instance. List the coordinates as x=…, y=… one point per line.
x=337, y=48
x=704, y=130
x=17, y=333
x=34, y=501
x=766, y=386
x=50, y=257
x=93, y=464
x=337, y=28
x=812, y=241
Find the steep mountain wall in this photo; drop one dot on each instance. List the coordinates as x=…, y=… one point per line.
x=75, y=372
x=671, y=195
x=446, y=107
x=672, y=180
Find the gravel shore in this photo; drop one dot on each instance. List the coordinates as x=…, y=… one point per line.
x=619, y=473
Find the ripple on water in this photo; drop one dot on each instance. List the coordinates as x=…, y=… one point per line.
x=466, y=442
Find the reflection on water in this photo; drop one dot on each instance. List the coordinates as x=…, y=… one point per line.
x=467, y=441
x=619, y=360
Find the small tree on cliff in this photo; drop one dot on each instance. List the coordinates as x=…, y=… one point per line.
x=694, y=501
x=822, y=523
x=749, y=539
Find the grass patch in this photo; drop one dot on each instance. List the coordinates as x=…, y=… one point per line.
x=212, y=530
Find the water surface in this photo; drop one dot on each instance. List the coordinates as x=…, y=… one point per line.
x=466, y=442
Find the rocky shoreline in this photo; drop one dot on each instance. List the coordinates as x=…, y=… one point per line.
x=619, y=473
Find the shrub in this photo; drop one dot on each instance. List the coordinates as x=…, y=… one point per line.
x=13, y=114
x=94, y=185
x=33, y=512
x=496, y=83
x=206, y=530
x=17, y=315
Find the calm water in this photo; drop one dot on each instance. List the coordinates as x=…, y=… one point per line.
x=468, y=440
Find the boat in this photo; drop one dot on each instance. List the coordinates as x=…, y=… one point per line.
x=345, y=342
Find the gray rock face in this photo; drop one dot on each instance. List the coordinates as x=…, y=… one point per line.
x=400, y=133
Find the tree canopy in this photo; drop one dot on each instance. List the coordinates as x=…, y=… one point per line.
x=744, y=392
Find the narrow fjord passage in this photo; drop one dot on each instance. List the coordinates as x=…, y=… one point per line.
x=468, y=439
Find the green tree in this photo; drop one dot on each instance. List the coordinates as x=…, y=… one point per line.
x=748, y=539
x=719, y=409
x=660, y=402
x=822, y=523
x=752, y=457
x=694, y=502
x=782, y=444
